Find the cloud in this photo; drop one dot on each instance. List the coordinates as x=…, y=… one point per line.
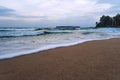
x=60, y=9
x=6, y=11
x=57, y=8
x=10, y=14
x=55, y=11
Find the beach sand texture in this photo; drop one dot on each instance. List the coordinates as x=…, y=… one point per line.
x=93, y=60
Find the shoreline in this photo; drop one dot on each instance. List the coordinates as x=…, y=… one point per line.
x=91, y=60
x=24, y=53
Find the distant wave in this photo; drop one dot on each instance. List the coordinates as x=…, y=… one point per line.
x=21, y=33
x=87, y=33
x=56, y=32
x=32, y=31
x=16, y=28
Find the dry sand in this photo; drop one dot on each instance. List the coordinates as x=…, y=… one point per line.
x=94, y=60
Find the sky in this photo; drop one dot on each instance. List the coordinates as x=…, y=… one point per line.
x=50, y=13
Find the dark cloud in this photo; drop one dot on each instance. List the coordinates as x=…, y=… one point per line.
x=6, y=11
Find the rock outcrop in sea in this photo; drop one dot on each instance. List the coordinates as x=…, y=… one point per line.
x=67, y=27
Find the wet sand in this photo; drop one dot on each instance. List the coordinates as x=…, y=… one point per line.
x=93, y=60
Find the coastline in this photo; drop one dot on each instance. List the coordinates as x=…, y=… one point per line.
x=45, y=48
x=92, y=60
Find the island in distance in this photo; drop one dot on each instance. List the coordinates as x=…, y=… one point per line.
x=67, y=27
x=61, y=28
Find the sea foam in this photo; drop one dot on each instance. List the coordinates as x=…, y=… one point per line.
x=17, y=46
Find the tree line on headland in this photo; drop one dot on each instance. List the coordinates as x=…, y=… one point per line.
x=107, y=21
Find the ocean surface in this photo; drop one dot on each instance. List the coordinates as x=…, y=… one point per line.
x=16, y=41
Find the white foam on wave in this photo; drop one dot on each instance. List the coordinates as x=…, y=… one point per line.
x=7, y=56
x=99, y=34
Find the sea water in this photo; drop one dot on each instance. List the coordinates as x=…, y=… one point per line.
x=17, y=41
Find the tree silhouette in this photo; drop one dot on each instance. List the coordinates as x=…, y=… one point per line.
x=117, y=20
x=107, y=21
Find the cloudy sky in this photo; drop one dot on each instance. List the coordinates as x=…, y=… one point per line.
x=55, y=12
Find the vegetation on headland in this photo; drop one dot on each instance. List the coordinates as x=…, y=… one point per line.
x=107, y=21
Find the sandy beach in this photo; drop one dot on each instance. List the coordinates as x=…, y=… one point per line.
x=93, y=60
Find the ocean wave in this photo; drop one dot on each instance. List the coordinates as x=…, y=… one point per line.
x=87, y=33
x=56, y=32
x=23, y=28
x=29, y=33
x=10, y=47
x=17, y=28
